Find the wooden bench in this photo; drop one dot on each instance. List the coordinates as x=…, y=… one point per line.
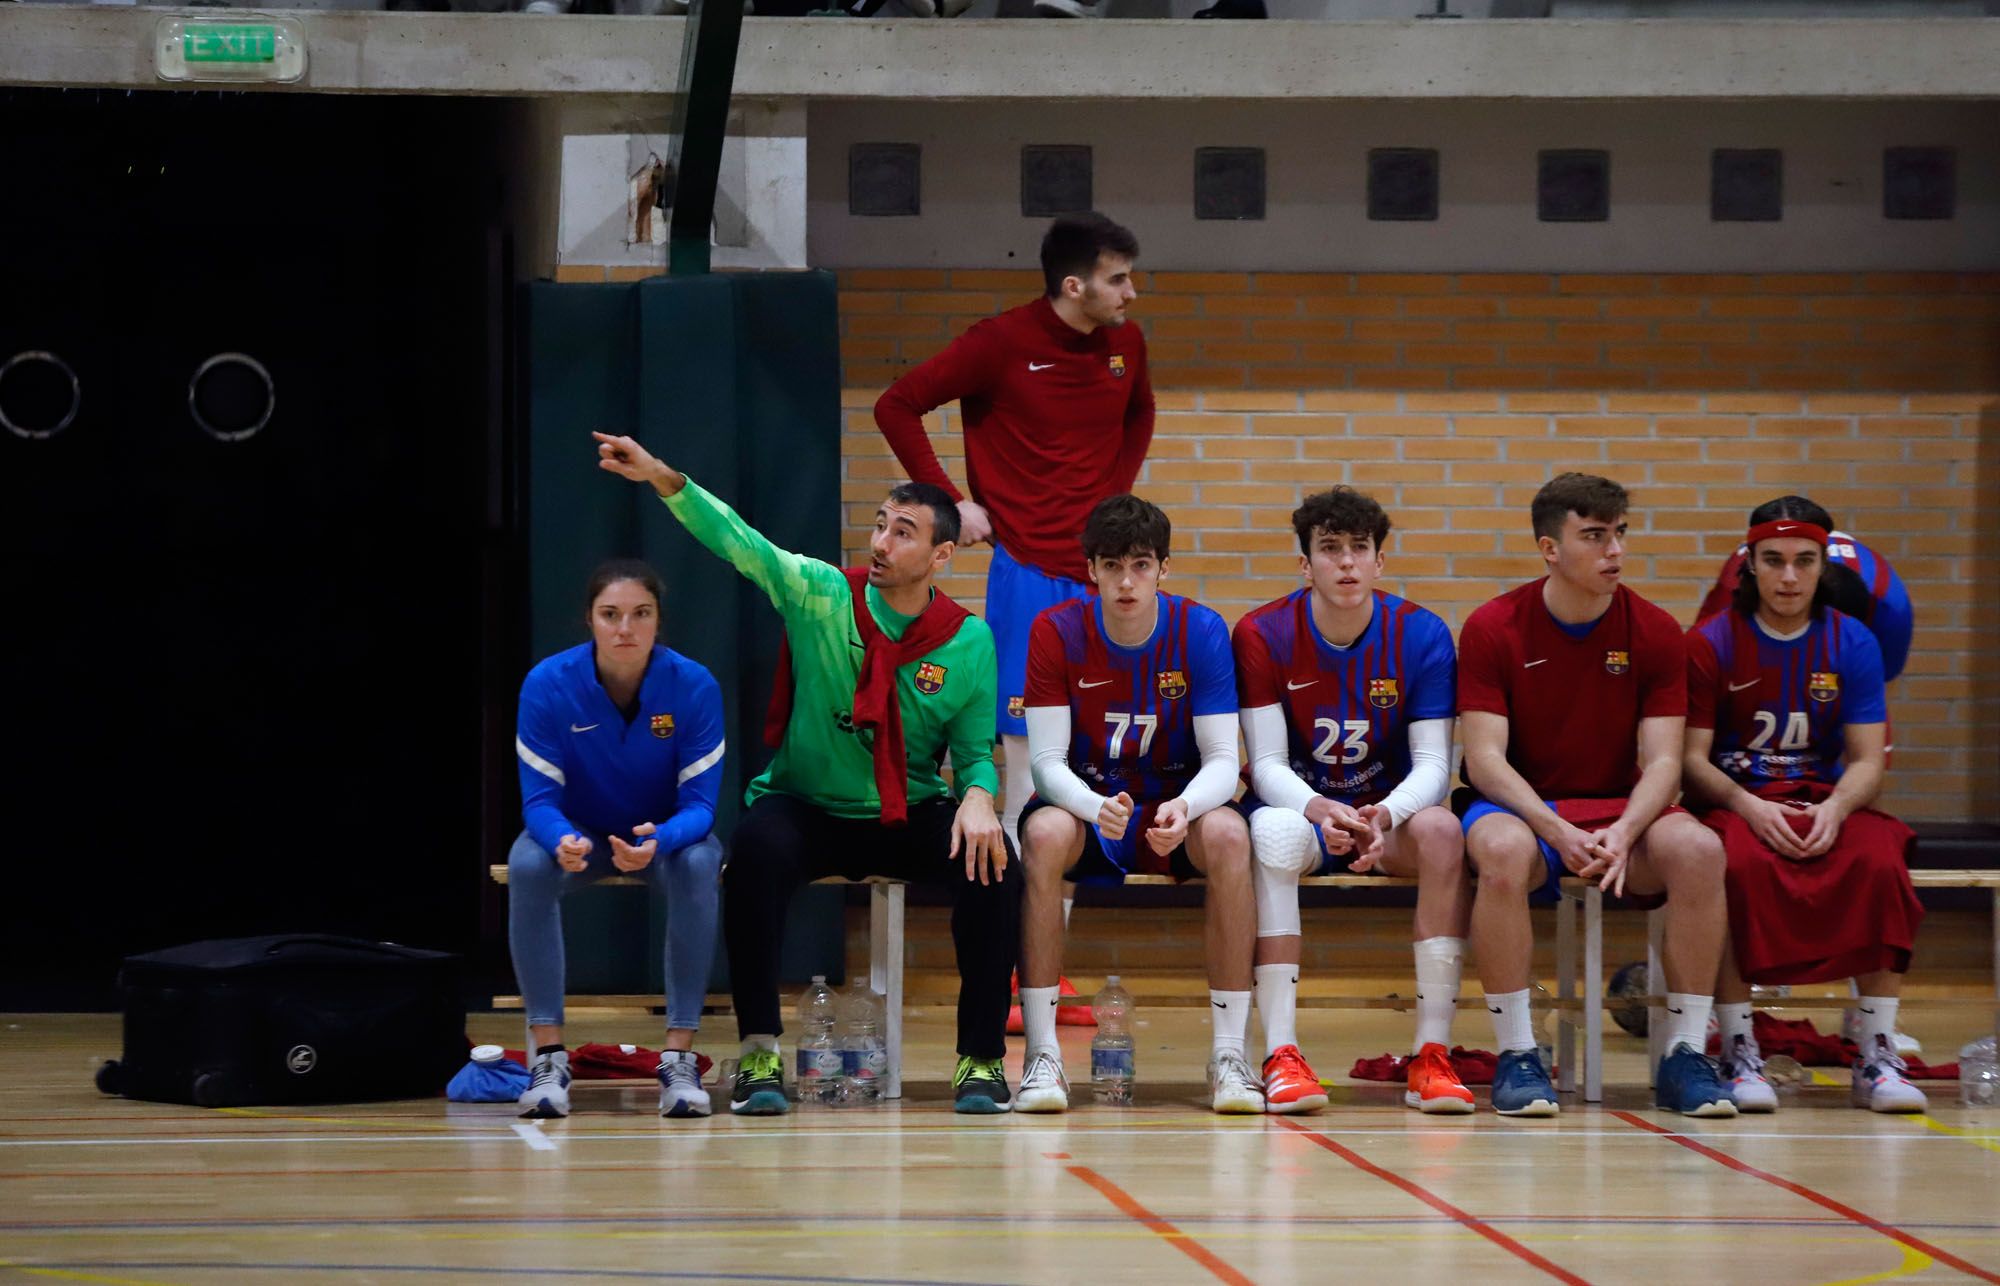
x=885, y=958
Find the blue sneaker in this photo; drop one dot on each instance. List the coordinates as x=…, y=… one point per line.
x=1689, y=1083
x=1521, y=1087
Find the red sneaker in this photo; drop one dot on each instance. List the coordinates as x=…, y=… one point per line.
x=1434, y=1087
x=1289, y=1084
x=1066, y=1015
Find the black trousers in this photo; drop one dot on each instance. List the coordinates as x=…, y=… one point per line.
x=783, y=842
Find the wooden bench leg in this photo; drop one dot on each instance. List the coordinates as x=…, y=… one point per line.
x=1566, y=990
x=885, y=975
x=1656, y=985
x=1593, y=994
x=1996, y=956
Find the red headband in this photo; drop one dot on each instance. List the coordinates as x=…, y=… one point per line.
x=1791, y=528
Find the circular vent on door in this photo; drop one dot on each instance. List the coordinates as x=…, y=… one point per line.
x=231, y=397
x=39, y=394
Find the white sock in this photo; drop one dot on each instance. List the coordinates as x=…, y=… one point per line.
x=1067, y=904
x=1687, y=1020
x=1733, y=1017
x=1038, y=1019
x=1230, y=1012
x=1878, y=1018
x=1512, y=1026
x=751, y=1044
x=1278, y=1001
x=1438, y=962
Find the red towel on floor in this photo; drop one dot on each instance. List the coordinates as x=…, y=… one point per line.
x=1474, y=1066
x=596, y=1062
x=1797, y=1038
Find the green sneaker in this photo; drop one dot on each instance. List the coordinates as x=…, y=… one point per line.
x=760, y=1085
x=979, y=1087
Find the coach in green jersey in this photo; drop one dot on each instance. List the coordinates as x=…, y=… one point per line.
x=882, y=674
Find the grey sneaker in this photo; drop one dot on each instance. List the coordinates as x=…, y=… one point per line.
x=681, y=1093
x=547, y=1095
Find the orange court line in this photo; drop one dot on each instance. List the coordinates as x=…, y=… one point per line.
x=1437, y=1203
x=1817, y=1198
x=1179, y=1240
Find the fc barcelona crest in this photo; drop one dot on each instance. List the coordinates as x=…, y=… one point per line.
x=1173, y=684
x=930, y=678
x=1823, y=686
x=1118, y=366
x=663, y=726
x=1384, y=693
x=1016, y=707
x=1617, y=662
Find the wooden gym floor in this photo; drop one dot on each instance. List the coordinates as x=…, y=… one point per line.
x=102, y=1190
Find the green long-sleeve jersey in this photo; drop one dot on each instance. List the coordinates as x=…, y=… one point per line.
x=824, y=760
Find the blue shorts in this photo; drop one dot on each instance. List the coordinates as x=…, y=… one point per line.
x=1550, y=891
x=1015, y=595
x=1106, y=861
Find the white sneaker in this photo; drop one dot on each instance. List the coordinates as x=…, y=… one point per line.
x=1065, y=8
x=681, y=1094
x=1044, y=1088
x=1233, y=1088
x=1850, y=1027
x=547, y=1095
x=1743, y=1073
x=1880, y=1084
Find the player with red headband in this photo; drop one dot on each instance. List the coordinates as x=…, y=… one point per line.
x=1786, y=730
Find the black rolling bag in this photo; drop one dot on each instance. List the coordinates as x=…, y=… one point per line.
x=290, y=1018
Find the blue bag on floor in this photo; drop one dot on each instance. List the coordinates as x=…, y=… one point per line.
x=498, y=1082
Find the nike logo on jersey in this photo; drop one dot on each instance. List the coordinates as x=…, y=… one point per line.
x=1294, y=687
x=1529, y=665
x=1738, y=687
x=1098, y=683
x=1040, y=366
x=583, y=728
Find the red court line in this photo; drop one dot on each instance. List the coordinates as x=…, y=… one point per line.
x=1842, y=1209
x=1437, y=1203
x=1179, y=1240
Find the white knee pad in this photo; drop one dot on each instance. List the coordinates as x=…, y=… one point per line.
x=1285, y=847
x=1018, y=785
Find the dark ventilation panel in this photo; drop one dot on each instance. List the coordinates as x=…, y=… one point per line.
x=1402, y=184
x=1919, y=182
x=885, y=180
x=1229, y=183
x=1746, y=185
x=1055, y=179
x=1573, y=186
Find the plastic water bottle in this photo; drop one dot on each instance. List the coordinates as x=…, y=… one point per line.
x=1111, y=1062
x=1979, y=1074
x=819, y=1070
x=864, y=1058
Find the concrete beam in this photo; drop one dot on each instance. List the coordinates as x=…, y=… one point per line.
x=848, y=59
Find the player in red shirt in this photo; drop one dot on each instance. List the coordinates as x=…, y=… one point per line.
x=1057, y=413
x=1132, y=729
x=1557, y=681
x=1786, y=727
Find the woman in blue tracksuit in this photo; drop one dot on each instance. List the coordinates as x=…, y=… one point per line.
x=620, y=747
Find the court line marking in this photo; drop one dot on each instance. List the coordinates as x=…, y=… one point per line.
x=1435, y=1202
x=1975, y=1137
x=531, y=1134
x=1173, y=1236
x=68, y=1275
x=1817, y=1198
x=1914, y=1261
x=567, y=1271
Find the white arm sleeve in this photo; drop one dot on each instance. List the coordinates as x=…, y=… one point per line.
x=1048, y=760
x=1271, y=774
x=1430, y=771
x=1215, y=784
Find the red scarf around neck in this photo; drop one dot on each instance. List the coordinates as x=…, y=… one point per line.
x=876, y=706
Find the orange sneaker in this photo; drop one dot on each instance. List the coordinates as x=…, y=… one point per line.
x=1290, y=1085
x=1434, y=1087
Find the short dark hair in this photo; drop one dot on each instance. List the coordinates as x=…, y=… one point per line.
x=1343, y=511
x=1583, y=494
x=1071, y=246
x=1126, y=526
x=1840, y=586
x=944, y=510
x=612, y=570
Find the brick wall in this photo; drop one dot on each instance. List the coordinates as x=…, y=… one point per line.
x=1451, y=398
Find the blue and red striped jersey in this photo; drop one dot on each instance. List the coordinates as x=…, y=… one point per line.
x=1348, y=710
x=1132, y=710
x=1780, y=707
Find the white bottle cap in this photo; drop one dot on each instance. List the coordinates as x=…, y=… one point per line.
x=1111, y=980
x=488, y=1053
x=819, y=977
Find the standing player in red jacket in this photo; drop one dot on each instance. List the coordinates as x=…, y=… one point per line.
x=1058, y=412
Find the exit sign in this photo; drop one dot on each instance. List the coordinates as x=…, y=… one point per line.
x=243, y=47
x=205, y=42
